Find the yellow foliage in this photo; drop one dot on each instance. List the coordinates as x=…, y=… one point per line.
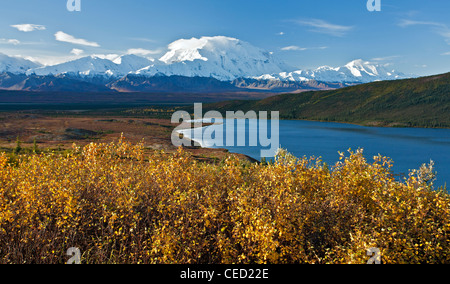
x=120, y=206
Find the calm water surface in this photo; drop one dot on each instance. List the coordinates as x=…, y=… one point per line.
x=409, y=148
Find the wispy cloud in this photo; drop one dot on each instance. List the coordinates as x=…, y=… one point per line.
x=293, y=48
x=298, y=48
x=446, y=54
x=63, y=37
x=439, y=28
x=446, y=35
x=9, y=41
x=28, y=27
x=386, y=58
x=142, y=39
x=324, y=27
x=143, y=52
x=407, y=23
x=77, y=51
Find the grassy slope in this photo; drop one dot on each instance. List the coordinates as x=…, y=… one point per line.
x=422, y=102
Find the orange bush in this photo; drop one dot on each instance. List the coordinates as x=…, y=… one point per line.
x=119, y=205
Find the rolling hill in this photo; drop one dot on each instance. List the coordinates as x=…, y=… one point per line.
x=420, y=102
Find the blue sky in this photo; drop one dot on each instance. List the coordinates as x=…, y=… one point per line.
x=411, y=35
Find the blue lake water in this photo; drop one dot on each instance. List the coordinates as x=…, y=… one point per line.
x=409, y=148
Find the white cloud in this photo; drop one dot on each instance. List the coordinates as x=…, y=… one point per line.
x=77, y=51
x=408, y=23
x=143, y=39
x=142, y=52
x=446, y=35
x=298, y=48
x=29, y=27
x=9, y=41
x=439, y=28
x=63, y=37
x=281, y=33
x=387, y=58
x=446, y=54
x=293, y=48
x=321, y=26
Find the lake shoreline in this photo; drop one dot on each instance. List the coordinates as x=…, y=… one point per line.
x=408, y=147
x=372, y=124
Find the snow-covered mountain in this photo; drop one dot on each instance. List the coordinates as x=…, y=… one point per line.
x=357, y=71
x=220, y=57
x=15, y=65
x=224, y=59
x=95, y=66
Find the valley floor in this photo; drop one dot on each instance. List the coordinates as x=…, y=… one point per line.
x=59, y=132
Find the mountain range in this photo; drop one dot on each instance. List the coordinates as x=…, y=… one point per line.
x=206, y=64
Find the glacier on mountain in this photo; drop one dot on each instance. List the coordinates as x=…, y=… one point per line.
x=357, y=71
x=222, y=58
x=15, y=65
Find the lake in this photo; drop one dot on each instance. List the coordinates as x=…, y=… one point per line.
x=409, y=148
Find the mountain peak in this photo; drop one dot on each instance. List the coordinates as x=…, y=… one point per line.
x=195, y=48
x=219, y=57
x=356, y=71
x=357, y=62
x=15, y=64
x=359, y=68
x=129, y=58
x=104, y=65
x=131, y=62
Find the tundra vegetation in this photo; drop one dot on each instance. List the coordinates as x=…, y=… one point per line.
x=120, y=204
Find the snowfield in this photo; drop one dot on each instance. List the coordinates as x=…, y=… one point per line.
x=220, y=57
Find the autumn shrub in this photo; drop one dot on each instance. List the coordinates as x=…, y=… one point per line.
x=119, y=205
